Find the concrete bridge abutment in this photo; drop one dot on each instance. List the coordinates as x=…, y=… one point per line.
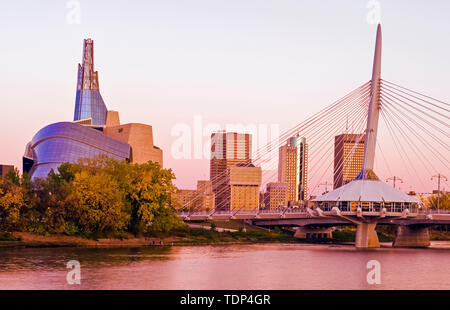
x=313, y=233
x=411, y=236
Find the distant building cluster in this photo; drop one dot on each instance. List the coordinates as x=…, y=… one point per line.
x=236, y=181
x=200, y=199
x=94, y=131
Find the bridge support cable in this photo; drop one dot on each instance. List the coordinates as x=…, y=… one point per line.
x=330, y=136
x=400, y=148
x=315, y=120
x=419, y=129
x=324, y=136
x=318, y=139
x=417, y=106
x=386, y=162
x=317, y=133
x=438, y=103
x=397, y=121
x=414, y=117
x=340, y=167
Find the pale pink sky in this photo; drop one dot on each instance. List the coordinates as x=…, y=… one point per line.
x=250, y=62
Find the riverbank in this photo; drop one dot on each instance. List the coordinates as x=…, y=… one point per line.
x=188, y=236
x=202, y=233
x=32, y=240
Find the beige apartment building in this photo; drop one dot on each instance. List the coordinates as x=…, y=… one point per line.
x=200, y=199
x=276, y=195
x=243, y=184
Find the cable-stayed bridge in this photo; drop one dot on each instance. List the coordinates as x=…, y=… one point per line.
x=417, y=128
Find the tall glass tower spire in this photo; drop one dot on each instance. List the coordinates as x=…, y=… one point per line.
x=89, y=103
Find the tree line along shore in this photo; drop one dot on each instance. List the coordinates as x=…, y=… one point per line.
x=104, y=202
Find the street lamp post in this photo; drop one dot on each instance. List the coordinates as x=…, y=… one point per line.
x=439, y=177
x=394, y=178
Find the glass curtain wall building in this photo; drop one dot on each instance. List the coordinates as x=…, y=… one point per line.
x=89, y=103
x=94, y=131
x=67, y=142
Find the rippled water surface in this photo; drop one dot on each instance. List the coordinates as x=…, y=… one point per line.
x=260, y=266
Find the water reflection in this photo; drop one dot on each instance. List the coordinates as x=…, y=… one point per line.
x=268, y=266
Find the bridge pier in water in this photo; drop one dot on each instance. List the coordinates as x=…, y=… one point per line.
x=411, y=236
x=366, y=236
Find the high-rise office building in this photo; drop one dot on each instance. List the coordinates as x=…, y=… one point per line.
x=293, y=168
x=94, y=131
x=348, y=158
x=227, y=149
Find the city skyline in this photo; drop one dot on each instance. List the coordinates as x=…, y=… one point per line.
x=155, y=113
x=223, y=153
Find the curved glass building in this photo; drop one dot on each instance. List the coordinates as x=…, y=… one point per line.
x=94, y=131
x=67, y=142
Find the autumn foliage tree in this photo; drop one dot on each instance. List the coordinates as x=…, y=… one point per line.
x=12, y=202
x=444, y=201
x=97, y=195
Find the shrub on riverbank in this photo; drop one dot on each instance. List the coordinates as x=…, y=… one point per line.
x=95, y=197
x=6, y=236
x=200, y=235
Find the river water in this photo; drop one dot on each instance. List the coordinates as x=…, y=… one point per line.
x=257, y=266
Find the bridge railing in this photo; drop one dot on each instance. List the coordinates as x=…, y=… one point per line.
x=435, y=211
x=279, y=211
x=289, y=210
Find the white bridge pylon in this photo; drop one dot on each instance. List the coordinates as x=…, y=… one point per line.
x=374, y=110
x=367, y=192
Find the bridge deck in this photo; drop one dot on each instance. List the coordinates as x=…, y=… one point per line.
x=309, y=217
